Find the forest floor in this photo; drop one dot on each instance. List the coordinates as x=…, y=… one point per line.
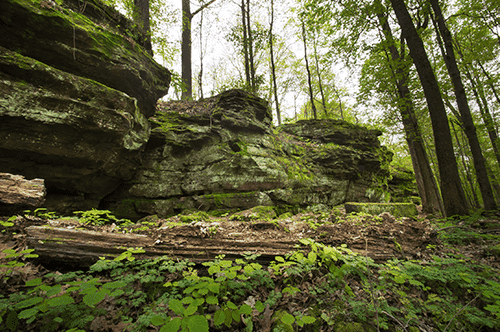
x=403, y=242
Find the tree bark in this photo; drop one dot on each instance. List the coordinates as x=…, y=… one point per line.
x=426, y=183
x=187, y=86
x=309, y=81
x=465, y=113
x=273, y=68
x=245, y=42
x=141, y=16
x=187, y=71
x=452, y=192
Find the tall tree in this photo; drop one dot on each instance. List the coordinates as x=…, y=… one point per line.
x=452, y=192
x=141, y=17
x=273, y=66
x=463, y=107
x=309, y=78
x=426, y=183
x=187, y=71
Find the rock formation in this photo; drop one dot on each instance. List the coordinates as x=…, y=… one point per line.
x=75, y=95
x=78, y=109
x=223, y=154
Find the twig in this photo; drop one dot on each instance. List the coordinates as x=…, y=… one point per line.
x=397, y=320
x=459, y=311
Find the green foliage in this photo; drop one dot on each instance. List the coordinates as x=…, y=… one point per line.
x=99, y=217
x=41, y=213
x=13, y=260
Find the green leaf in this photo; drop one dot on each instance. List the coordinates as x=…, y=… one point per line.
x=231, y=305
x=246, y=309
x=115, y=284
x=157, y=320
x=176, y=306
x=28, y=313
x=60, y=300
x=219, y=317
x=212, y=299
x=214, y=287
x=311, y=257
x=198, y=323
x=191, y=309
x=288, y=319
x=279, y=259
x=54, y=290
x=259, y=306
x=29, y=302
x=34, y=282
x=187, y=300
x=172, y=326
x=58, y=320
x=308, y=319
x=94, y=298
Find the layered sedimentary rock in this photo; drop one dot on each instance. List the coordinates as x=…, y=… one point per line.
x=223, y=153
x=74, y=98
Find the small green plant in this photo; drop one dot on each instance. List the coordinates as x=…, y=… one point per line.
x=41, y=213
x=8, y=223
x=99, y=217
x=14, y=257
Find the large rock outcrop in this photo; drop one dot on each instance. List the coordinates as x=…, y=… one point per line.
x=74, y=98
x=223, y=154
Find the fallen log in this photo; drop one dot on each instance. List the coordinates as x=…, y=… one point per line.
x=17, y=193
x=74, y=248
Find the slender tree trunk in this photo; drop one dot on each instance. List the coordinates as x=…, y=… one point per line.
x=320, y=82
x=426, y=183
x=474, y=200
x=245, y=42
x=250, y=50
x=141, y=16
x=187, y=71
x=482, y=103
x=200, y=74
x=452, y=192
x=465, y=113
x=309, y=81
x=187, y=87
x=273, y=69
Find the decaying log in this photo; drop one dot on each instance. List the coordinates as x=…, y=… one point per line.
x=17, y=193
x=82, y=248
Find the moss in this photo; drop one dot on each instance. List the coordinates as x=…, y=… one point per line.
x=353, y=327
x=396, y=209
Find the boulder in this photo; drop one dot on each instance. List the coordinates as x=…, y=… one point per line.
x=223, y=154
x=17, y=193
x=78, y=38
x=75, y=93
x=396, y=209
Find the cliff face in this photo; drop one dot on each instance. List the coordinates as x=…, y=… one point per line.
x=75, y=95
x=223, y=154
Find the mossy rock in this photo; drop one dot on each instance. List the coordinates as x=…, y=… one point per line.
x=256, y=213
x=353, y=327
x=396, y=209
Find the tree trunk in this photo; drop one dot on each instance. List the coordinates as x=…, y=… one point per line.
x=454, y=201
x=245, y=42
x=273, y=69
x=426, y=183
x=309, y=81
x=320, y=83
x=250, y=50
x=141, y=16
x=187, y=71
x=465, y=114
x=187, y=87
